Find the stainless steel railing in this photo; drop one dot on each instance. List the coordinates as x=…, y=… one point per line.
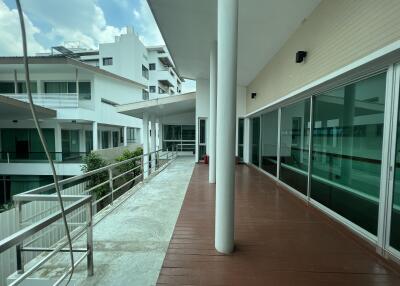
x=148, y=164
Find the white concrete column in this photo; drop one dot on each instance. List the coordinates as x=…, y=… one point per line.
x=226, y=122
x=246, y=141
x=145, y=138
x=15, y=82
x=95, y=136
x=213, y=113
x=58, y=142
x=125, y=135
x=153, y=143
x=160, y=135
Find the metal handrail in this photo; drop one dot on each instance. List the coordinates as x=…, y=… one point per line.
x=77, y=201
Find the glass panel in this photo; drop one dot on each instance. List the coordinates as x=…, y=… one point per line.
x=21, y=87
x=347, y=150
x=188, y=132
x=255, y=141
x=269, y=139
x=202, y=152
x=55, y=87
x=89, y=140
x=7, y=87
x=240, y=138
x=172, y=132
x=395, y=217
x=202, y=132
x=115, y=139
x=85, y=90
x=295, y=145
x=105, y=140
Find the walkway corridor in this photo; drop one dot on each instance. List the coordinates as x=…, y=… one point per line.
x=279, y=241
x=131, y=242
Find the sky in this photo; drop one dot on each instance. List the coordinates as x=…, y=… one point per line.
x=89, y=22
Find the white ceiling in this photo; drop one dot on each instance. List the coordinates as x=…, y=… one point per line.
x=13, y=109
x=189, y=28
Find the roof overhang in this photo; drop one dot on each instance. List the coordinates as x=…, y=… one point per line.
x=161, y=107
x=13, y=109
x=264, y=27
x=61, y=63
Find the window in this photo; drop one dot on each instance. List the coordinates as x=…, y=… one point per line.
x=85, y=91
x=7, y=87
x=105, y=141
x=152, y=89
x=347, y=150
x=179, y=136
x=107, y=61
x=131, y=138
x=161, y=91
x=89, y=140
x=152, y=66
x=255, y=141
x=240, y=138
x=145, y=94
x=70, y=144
x=115, y=138
x=145, y=72
x=171, y=73
x=202, y=138
x=295, y=122
x=21, y=87
x=269, y=142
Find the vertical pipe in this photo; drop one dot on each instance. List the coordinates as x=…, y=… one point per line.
x=111, y=184
x=153, y=143
x=145, y=145
x=213, y=113
x=18, y=216
x=89, y=238
x=125, y=136
x=226, y=125
x=310, y=147
x=94, y=135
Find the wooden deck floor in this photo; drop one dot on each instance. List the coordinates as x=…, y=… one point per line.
x=279, y=241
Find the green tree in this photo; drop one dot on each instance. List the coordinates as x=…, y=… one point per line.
x=91, y=162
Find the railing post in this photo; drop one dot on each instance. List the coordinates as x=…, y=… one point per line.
x=142, y=166
x=89, y=238
x=167, y=154
x=18, y=217
x=8, y=158
x=111, y=184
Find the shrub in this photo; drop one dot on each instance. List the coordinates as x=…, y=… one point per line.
x=127, y=154
x=93, y=161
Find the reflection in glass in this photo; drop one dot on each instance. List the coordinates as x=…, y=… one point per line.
x=240, y=138
x=347, y=150
x=255, y=140
x=269, y=142
x=395, y=216
x=295, y=120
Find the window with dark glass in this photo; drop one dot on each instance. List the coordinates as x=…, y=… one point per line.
x=145, y=94
x=240, y=138
x=347, y=150
x=107, y=61
x=294, y=143
x=7, y=87
x=152, y=89
x=255, y=140
x=152, y=66
x=145, y=72
x=269, y=142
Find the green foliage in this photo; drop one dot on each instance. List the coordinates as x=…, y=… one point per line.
x=127, y=154
x=93, y=161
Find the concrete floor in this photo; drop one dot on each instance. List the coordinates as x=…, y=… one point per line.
x=130, y=243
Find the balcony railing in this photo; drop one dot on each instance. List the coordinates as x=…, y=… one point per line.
x=49, y=100
x=113, y=181
x=39, y=157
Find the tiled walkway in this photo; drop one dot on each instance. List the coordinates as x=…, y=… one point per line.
x=279, y=241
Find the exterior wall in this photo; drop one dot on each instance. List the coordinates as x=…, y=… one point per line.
x=162, y=73
x=129, y=54
x=336, y=34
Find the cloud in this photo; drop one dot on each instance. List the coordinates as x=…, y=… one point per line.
x=11, y=40
x=147, y=27
x=73, y=20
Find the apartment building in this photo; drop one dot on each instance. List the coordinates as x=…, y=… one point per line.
x=83, y=99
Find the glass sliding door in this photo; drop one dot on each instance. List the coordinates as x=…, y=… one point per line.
x=255, y=141
x=240, y=138
x=294, y=145
x=347, y=150
x=269, y=142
